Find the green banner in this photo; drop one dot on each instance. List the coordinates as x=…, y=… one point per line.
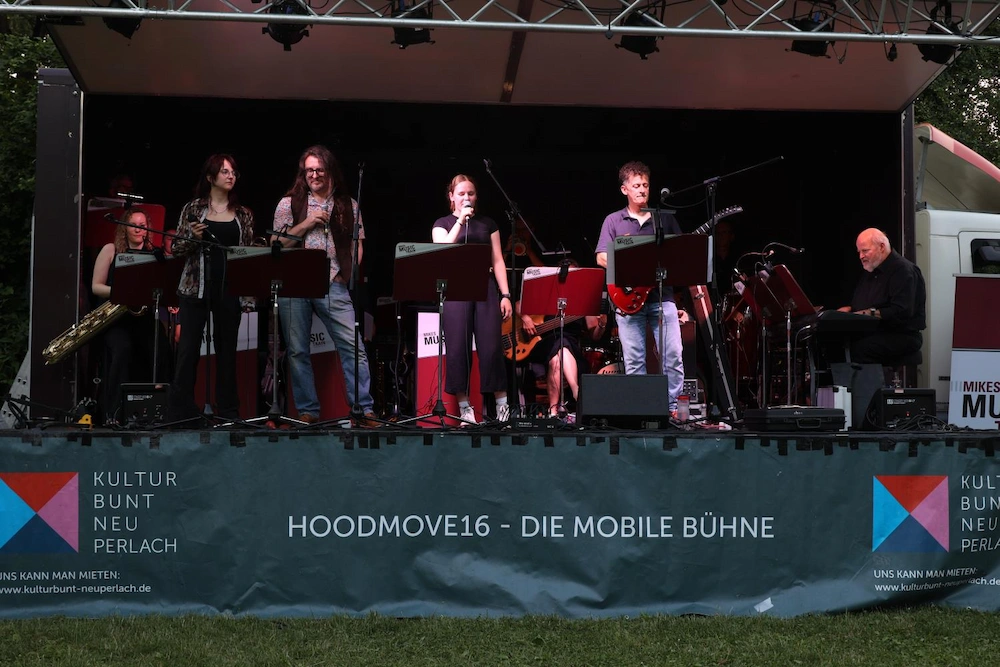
x=462, y=525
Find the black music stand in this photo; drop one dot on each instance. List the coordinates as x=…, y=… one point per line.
x=562, y=291
x=140, y=278
x=292, y=272
x=775, y=295
x=426, y=271
x=640, y=261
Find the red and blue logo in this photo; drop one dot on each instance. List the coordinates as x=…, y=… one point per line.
x=910, y=513
x=39, y=512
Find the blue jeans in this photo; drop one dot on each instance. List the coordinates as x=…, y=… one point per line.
x=632, y=334
x=336, y=311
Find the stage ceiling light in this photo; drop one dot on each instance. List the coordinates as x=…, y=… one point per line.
x=404, y=37
x=643, y=45
x=286, y=34
x=940, y=53
x=125, y=27
x=815, y=22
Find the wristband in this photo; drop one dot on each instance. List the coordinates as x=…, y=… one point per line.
x=505, y=296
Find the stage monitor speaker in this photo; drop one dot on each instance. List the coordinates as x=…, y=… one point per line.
x=143, y=403
x=624, y=401
x=893, y=408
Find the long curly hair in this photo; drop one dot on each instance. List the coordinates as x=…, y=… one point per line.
x=343, y=216
x=121, y=234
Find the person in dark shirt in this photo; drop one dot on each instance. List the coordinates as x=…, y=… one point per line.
x=481, y=319
x=891, y=289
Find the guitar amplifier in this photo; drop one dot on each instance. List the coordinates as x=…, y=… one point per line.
x=624, y=401
x=143, y=403
x=896, y=406
x=794, y=419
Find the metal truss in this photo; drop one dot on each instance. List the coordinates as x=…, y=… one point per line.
x=885, y=21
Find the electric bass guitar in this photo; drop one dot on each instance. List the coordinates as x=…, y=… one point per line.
x=630, y=300
x=524, y=347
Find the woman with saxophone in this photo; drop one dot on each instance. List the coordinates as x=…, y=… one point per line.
x=208, y=224
x=128, y=342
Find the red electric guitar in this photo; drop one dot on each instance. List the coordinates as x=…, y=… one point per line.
x=630, y=300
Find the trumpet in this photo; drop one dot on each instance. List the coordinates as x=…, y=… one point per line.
x=77, y=335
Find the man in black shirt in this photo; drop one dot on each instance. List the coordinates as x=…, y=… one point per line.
x=892, y=290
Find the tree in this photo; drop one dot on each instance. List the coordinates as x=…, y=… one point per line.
x=21, y=55
x=964, y=101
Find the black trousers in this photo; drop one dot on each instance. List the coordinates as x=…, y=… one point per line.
x=128, y=357
x=462, y=320
x=885, y=346
x=183, y=404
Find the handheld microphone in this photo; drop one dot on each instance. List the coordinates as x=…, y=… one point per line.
x=206, y=233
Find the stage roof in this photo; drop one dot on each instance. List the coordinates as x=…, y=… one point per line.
x=217, y=49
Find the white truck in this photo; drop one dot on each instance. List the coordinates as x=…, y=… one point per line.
x=956, y=231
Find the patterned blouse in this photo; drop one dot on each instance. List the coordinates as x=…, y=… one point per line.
x=193, y=276
x=317, y=237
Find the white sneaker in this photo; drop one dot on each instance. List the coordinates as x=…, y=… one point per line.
x=468, y=416
x=503, y=412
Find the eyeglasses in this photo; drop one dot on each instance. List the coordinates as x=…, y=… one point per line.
x=316, y=172
x=225, y=173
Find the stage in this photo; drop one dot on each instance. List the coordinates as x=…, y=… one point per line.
x=573, y=522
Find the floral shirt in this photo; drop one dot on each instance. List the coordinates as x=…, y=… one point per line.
x=192, y=282
x=318, y=237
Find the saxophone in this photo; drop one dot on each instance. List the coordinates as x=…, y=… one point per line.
x=92, y=324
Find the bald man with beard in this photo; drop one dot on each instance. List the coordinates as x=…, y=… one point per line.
x=892, y=290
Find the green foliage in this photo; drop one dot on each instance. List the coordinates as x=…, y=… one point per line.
x=964, y=101
x=21, y=55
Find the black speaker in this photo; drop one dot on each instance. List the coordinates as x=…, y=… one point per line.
x=894, y=408
x=143, y=403
x=624, y=401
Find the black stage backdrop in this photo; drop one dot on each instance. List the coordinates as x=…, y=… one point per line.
x=840, y=173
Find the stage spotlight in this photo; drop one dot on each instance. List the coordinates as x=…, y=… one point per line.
x=642, y=45
x=123, y=26
x=404, y=37
x=286, y=34
x=940, y=53
x=820, y=19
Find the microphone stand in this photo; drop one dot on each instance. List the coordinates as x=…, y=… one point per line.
x=711, y=186
x=513, y=215
x=357, y=412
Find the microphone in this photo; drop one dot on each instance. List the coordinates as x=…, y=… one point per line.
x=790, y=249
x=489, y=165
x=664, y=194
x=206, y=233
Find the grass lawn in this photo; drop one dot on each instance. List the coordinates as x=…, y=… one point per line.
x=911, y=638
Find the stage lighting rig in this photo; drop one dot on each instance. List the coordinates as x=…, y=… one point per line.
x=940, y=53
x=286, y=34
x=819, y=19
x=642, y=45
x=404, y=37
x=125, y=27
